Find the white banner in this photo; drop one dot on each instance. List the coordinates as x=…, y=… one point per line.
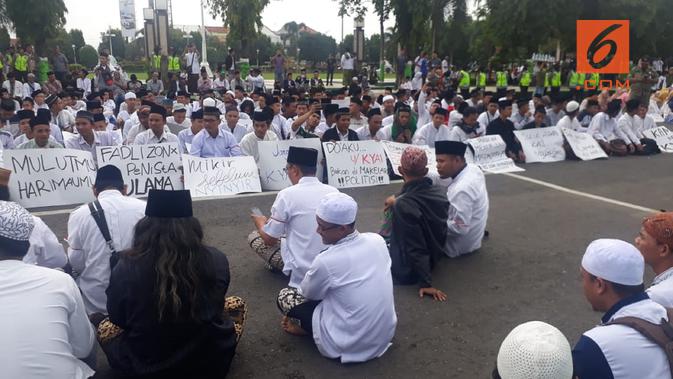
x=584, y=145
x=127, y=16
x=273, y=159
x=394, y=152
x=220, y=176
x=663, y=136
x=144, y=167
x=355, y=164
x=489, y=155
x=50, y=177
x=345, y=103
x=542, y=144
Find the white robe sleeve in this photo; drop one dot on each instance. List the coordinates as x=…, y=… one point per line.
x=316, y=282
x=460, y=214
x=80, y=333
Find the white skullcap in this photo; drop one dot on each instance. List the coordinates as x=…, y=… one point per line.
x=572, y=106
x=15, y=221
x=502, y=99
x=615, y=261
x=129, y=95
x=230, y=92
x=209, y=102
x=179, y=107
x=337, y=208
x=535, y=350
x=387, y=98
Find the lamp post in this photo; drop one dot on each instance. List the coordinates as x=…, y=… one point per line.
x=257, y=57
x=359, y=41
x=109, y=35
x=298, y=52
x=74, y=53
x=150, y=37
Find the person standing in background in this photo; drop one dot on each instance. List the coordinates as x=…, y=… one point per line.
x=193, y=67
x=331, y=66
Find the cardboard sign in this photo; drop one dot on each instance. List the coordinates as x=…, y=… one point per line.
x=394, y=152
x=355, y=164
x=542, y=144
x=50, y=177
x=273, y=159
x=345, y=103
x=144, y=167
x=663, y=136
x=220, y=176
x=489, y=155
x=584, y=145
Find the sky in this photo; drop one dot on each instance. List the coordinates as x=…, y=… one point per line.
x=95, y=17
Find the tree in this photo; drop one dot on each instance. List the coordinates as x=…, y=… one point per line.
x=346, y=44
x=118, y=43
x=35, y=20
x=316, y=47
x=411, y=27
x=242, y=18
x=266, y=49
x=4, y=38
x=76, y=38
x=88, y=56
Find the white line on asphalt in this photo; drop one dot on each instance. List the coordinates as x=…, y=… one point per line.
x=583, y=194
x=267, y=193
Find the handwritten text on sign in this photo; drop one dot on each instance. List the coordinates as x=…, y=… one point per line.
x=542, y=144
x=663, y=136
x=273, y=159
x=48, y=177
x=144, y=167
x=394, y=152
x=355, y=164
x=584, y=145
x=220, y=176
x=489, y=155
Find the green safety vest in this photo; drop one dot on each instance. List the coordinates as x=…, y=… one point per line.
x=464, y=79
x=525, y=79
x=546, y=79
x=21, y=63
x=595, y=79
x=500, y=79
x=480, y=80
x=556, y=79
x=173, y=64
x=156, y=62
x=574, y=80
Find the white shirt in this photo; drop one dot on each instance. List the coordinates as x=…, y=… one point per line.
x=148, y=137
x=175, y=127
x=99, y=139
x=185, y=138
x=357, y=123
x=520, y=121
x=364, y=134
x=484, y=119
x=43, y=324
x=457, y=134
x=628, y=353
x=661, y=289
x=45, y=249
x=84, y=84
x=468, y=211
x=628, y=126
x=428, y=134
x=17, y=89
x=356, y=320
x=454, y=118
x=293, y=217
x=604, y=128
x=280, y=126
x=88, y=252
x=29, y=88
x=347, y=63
x=642, y=124
x=240, y=130
x=192, y=61
x=574, y=124
x=249, y=145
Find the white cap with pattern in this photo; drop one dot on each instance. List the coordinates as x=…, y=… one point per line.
x=16, y=223
x=537, y=350
x=337, y=208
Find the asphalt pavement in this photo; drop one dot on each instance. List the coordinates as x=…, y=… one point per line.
x=528, y=269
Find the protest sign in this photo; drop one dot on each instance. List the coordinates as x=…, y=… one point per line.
x=220, y=176
x=345, y=103
x=355, y=164
x=584, y=145
x=49, y=177
x=144, y=167
x=394, y=152
x=273, y=159
x=489, y=155
x=663, y=136
x=542, y=144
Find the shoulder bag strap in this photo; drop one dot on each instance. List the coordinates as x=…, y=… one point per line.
x=99, y=216
x=657, y=333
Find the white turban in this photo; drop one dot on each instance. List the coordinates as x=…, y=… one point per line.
x=388, y=98
x=129, y=95
x=337, y=208
x=615, y=261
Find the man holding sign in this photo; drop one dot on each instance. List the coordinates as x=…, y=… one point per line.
x=468, y=198
x=214, y=141
x=41, y=129
x=88, y=138
x=292, y=217
x=261, y=132
x=157, y=133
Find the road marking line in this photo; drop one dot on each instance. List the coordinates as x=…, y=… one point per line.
x=256, y=194
x=583, y=194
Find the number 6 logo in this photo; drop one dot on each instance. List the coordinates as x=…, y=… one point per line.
x=603, y=46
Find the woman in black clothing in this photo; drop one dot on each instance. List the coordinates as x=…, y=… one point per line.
x=168, y=316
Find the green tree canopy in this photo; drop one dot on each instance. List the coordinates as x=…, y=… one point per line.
x=88, y=56
x=316, y=47
x=35, y=21
x=242, y=18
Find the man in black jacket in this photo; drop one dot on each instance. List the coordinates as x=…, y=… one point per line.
x=341, y=132
x=419, y=228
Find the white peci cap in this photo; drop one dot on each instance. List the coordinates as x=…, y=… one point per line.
x=129, y=95
x=614, y=260
x=535, y=349
x=572, y=106
x=337, y=208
